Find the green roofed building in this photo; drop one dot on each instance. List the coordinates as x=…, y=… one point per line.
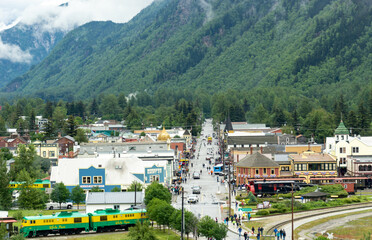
x=341, y=130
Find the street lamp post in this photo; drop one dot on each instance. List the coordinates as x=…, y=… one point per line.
x=183, y=218
x=292, y=215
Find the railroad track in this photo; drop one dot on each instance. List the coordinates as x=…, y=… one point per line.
x=82, y=234
x=270, y=232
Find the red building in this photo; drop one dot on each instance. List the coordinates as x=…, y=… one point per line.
x=256, y=166
x=66, y=145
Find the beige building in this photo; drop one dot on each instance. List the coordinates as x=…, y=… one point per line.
x=345, y=148
x=313, y=165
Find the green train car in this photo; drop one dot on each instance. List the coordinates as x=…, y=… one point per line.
x=110, y=219
x=62, y=223
x=39, y=183
x=74, y=222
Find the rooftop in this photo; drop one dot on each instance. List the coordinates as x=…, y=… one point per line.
x=257, y=160
x=114, y=197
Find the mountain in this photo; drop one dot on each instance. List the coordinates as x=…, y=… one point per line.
x=33, y=42
x=316, y=47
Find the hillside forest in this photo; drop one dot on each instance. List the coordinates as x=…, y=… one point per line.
x=278, y=107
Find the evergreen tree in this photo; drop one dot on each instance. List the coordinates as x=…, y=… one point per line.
x=3, y=131
x=80, y=136
x=352, y=122
x=48, y=111
x=122, y=101
x=25, y=160
x=363, y=119
x=31, y=120
x=49, y=129
x=80, y=109
x=5, y=193
x=94, y=108
x=71, y=126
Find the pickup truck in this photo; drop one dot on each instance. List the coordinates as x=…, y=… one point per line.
x=54, y=205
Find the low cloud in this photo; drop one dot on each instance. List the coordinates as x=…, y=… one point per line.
x=78, y=12
x=14, y=53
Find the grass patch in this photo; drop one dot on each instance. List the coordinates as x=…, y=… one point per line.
x=321, y=221
x=353, y=229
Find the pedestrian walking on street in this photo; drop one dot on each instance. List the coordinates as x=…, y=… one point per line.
x=240, y=231
x=284, y=234
x=253, y=229
x=278, y=235
x=258, y=236
x=262, y=231
x=216, y=220
x=246, y=236
x=249, y=216
x=259, y=229
x=281, y=233
x=227, y=221
x=236, y=204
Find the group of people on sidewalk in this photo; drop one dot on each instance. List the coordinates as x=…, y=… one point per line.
x=246, y=235
x=280, y=234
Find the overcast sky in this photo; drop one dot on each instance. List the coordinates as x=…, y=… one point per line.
x=53, y=17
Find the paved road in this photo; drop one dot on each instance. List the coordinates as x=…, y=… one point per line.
x=212, y=192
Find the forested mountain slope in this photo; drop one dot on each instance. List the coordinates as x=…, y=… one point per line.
x=35, y=44
x=316, y=47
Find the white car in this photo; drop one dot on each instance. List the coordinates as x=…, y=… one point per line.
x=192, y=199
x=54, y=205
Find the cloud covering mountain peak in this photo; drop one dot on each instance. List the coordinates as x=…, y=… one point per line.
x=55, y=16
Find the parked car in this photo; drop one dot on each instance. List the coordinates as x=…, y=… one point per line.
x=54, y=205
x=192, y=199
x=196, y=189
x=196, y=175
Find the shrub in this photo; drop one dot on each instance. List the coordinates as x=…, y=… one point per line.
x=275, y=210
x=252, y=198
x=316, y=204
x=263, y=212
x=18, y=215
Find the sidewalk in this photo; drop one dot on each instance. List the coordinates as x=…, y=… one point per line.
x=235, y=229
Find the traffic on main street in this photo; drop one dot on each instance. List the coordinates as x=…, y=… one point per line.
x=213, y=188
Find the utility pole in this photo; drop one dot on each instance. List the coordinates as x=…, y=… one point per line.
x=292, y=215
x=135, y=193
x=229, y=187
x=183, y=218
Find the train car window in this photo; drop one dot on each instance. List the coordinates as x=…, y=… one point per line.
x=45, y=185
x=77, y=220
x=103, y=218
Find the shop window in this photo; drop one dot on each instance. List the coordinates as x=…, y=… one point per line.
x=52, y=154
x=154, y=178
x=86, y=180
x=97, y=179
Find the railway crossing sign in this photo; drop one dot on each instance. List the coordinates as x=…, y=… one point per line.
x=245, y=209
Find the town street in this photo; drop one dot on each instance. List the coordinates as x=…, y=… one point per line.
x=213, y=194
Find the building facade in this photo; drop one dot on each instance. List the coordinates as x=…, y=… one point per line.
x=345, y=148
x=313, y=165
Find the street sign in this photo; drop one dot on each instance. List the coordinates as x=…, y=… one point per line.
x=245, y=209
